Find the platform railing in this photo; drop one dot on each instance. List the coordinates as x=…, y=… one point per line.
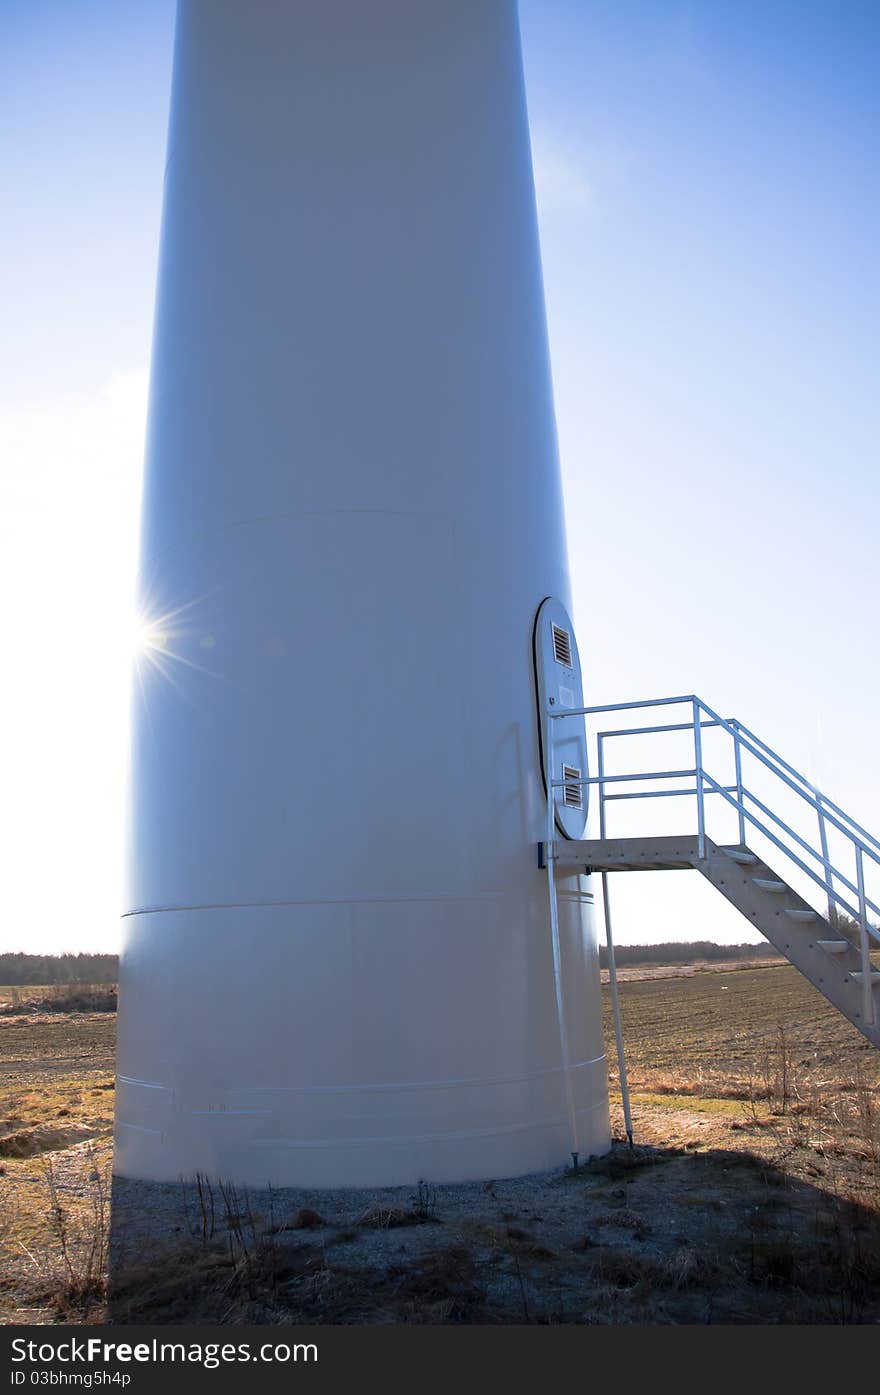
x=843, y=890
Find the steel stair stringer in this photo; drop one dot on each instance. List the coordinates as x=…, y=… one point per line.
x=805, y=939
x=831, y=963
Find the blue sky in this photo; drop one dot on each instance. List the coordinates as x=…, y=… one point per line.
x=710, y=213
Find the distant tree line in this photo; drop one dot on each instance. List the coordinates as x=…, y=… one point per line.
x=104, y=968
x=684, y=952
x=58, y=968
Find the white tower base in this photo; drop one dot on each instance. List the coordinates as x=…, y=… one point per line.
x=337, y=967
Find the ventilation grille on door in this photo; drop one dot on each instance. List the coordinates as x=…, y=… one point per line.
x=561, y=646
x=573, y=793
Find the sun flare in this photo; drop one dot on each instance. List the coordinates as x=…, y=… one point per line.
x=147, y=637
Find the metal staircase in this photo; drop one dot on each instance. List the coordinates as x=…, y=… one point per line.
x=810, y=900
x=831, y=963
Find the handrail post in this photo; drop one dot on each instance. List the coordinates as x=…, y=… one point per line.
x=615, y=1009
x=864, y=945
x=823, y=844
x=600, y=771
x=551, y=858
x=740, y=809
x=698, y=764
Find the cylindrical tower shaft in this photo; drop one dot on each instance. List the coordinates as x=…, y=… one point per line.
x=336, y=966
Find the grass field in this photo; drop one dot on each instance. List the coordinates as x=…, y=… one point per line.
x=753, y=1196
x=727, y=1058
x=719, y=1022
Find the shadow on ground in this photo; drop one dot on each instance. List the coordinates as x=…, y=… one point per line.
x=652, y=1235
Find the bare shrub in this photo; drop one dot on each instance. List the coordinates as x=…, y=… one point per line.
x=70, y=1273
x=387, y=1217
x=867, y=1118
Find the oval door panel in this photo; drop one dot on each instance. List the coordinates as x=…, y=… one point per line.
x=559, y=685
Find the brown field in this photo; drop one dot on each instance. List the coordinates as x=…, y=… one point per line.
x=753, y=1194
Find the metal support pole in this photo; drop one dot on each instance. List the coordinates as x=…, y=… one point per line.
x=615, y=1009
x=864, y=945
x=609, y=942
x=698, y=762
x=551, y=859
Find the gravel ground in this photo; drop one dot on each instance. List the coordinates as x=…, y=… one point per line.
x=649, y=1235
x=381, y=1221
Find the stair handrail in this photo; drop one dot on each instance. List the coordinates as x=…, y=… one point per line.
x=793, y=857
x=743, y=739
x=808, y=795
x=739, y=734
x=739, y=797
x=728, y=791
x=814, y=789
x=822, y=858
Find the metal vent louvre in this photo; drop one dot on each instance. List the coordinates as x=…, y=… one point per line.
x=561, y=646
x=573, y=794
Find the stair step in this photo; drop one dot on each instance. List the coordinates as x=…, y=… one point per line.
x=737, y=855
x=795, y=913
x=860, y=977
x=769, y=884
x=834, y=946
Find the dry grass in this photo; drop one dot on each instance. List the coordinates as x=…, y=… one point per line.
x=754, y=1195
x=58, y=997
x=56, y=1120
x=55, y=1237
x=281, y=1284
x=757, y=1061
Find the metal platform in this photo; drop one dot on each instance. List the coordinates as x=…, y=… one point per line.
x=828, y=938
x=832, y=963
